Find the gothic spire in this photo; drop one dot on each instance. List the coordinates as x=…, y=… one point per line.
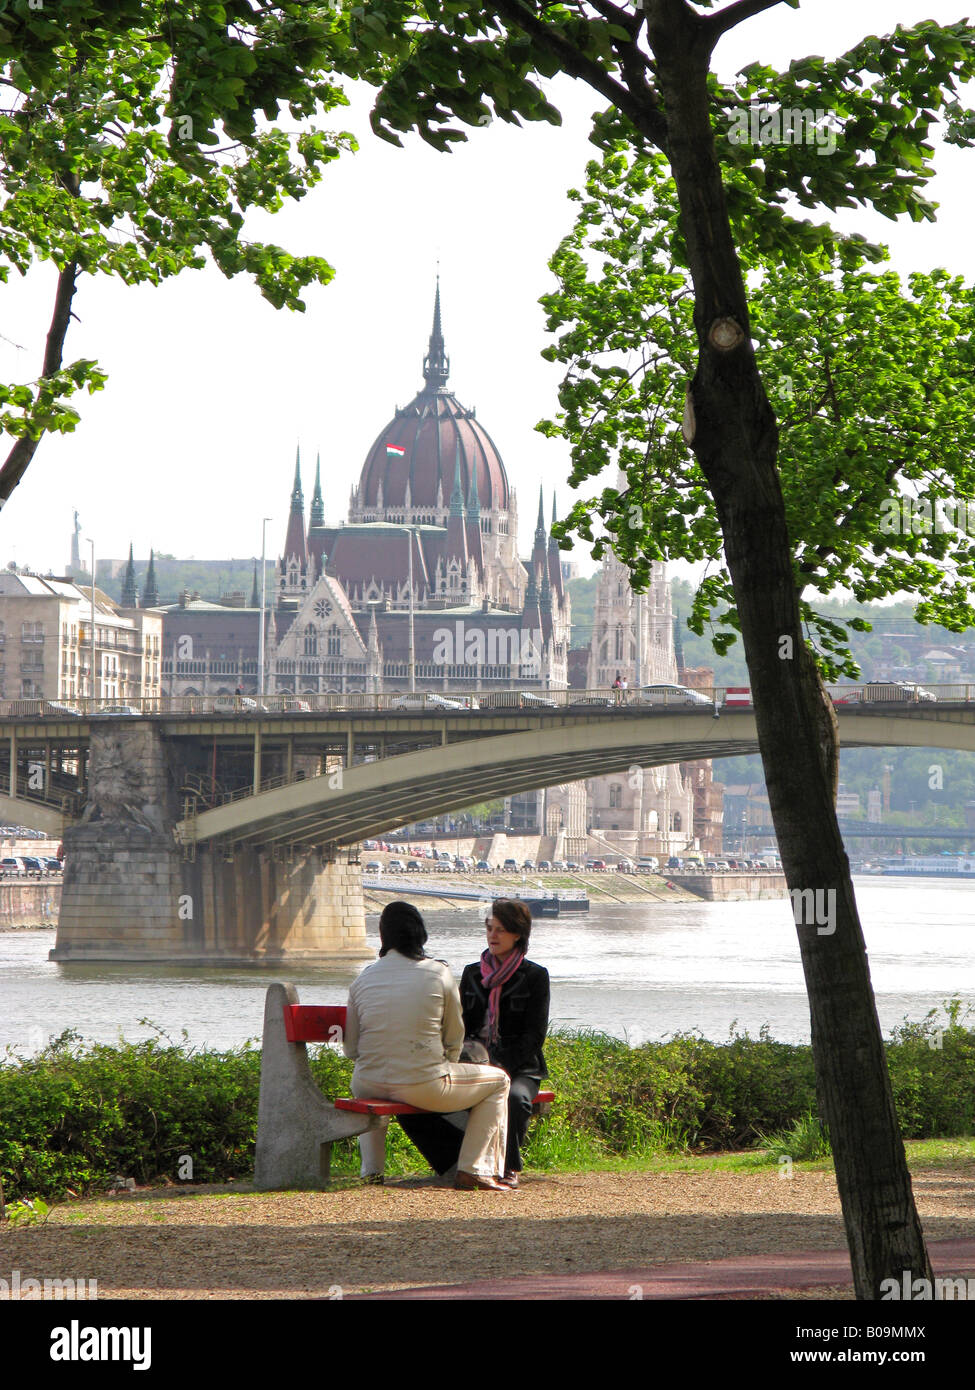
x=317, y=505
x=436, y=364
x=128, y=583
x=457, y=496
x=151, y=597
x=678, y=646
x=255, y=596
x=294, y=541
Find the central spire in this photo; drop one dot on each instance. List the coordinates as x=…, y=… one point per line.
x=436, y=364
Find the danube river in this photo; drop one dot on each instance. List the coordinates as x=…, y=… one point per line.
x=642, y=972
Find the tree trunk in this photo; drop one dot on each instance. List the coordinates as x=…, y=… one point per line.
x=735, y=439
x=18, y=460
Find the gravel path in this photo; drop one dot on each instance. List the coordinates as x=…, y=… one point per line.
x=230, y=1243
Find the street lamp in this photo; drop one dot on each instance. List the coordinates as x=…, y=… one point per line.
x=92, y=544
x=260, y=635
x=410, y=533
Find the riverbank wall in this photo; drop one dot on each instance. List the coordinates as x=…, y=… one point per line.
x=732, y=888
x=29, y=903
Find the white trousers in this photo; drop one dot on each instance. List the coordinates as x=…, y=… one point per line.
x=481, y=1090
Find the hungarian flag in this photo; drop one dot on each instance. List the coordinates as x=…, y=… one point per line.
x=395, y=449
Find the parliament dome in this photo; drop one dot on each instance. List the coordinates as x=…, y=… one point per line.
x=414, y=460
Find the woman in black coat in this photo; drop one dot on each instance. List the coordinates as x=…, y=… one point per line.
x=505, y=999
x=511, y=1034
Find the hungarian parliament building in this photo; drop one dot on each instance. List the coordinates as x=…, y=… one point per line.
x=424, y=579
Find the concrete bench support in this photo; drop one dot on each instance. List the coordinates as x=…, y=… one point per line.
x=296, y=1125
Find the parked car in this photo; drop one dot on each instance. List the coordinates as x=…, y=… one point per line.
x=396, y=866
x=673, y=862
x=374, y=867
x=647, y=866
x=595, y=865
x=624, y=866
x=370, y=844
x=32, y=865
x=11, y=865
x=572, y=866
x=114, y=711
x=529, y=864
x=483, y=867
x=666, y=694
x=52, y=864
x=544, y=866
x=557, y=866
x=413, y=866
x=445, y=867
x=510, y=866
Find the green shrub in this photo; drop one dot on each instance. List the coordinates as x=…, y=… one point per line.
x=74, y=1118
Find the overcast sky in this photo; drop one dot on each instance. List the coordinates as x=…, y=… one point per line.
x=193, y=440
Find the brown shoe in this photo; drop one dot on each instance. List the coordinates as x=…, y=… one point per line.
x=473, y=1182
x=510, y=1178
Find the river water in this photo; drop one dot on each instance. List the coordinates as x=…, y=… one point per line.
x=642, y=972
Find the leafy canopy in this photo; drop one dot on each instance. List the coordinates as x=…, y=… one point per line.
x=132, y=144
x=873, y=383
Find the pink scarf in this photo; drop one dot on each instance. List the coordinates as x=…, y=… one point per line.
x=494, y=974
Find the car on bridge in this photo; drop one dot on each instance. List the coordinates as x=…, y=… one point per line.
x=115, y=711
x=898, y=690
x=593, y=702
x=428, y=701
x=237, y=704
x=665, y=693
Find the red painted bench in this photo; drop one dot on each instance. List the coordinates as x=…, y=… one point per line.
x=305, y=1023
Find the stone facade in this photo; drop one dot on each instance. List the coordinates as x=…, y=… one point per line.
x=129, y=893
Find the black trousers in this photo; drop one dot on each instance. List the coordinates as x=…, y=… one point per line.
x=439, y=1141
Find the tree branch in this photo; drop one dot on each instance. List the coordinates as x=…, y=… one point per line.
x=19, y=458
x=576, y=64
x=719, y=23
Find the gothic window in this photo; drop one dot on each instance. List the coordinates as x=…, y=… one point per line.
x=619, y=644
x=619, y=589
x=311, y=640
x=334, y=641
x=323, y=608
x=615, y=795
x=677, y=821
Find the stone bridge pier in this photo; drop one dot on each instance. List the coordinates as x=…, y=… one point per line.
x=129, y=894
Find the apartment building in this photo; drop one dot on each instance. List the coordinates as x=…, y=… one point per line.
x=46, y=643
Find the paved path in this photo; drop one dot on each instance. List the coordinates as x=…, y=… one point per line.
x=747, y=1277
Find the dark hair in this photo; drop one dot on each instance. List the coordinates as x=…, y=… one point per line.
x=401, y=929
x=514, y=917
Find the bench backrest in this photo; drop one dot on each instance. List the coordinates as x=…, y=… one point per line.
x=314, y=1022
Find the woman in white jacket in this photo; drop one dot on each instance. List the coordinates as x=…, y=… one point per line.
x=405, y=1030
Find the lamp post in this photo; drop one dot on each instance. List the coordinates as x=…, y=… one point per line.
x=409, y=533
x=260, y=634
x=92, y=544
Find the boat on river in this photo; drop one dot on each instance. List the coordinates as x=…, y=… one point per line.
x=926, y=866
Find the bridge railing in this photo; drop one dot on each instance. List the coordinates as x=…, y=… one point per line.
x=468, y=702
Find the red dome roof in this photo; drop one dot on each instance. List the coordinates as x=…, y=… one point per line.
x=429, y=431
